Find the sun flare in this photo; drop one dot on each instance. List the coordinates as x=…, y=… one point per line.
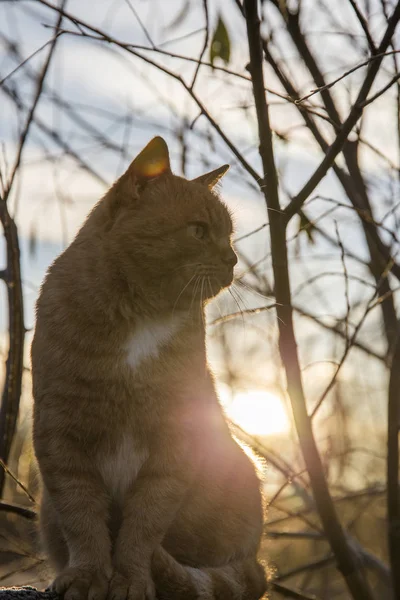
x=258, y=412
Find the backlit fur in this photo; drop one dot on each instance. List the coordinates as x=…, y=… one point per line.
x=144, y=490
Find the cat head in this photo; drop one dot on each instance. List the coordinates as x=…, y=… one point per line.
x=171, y=236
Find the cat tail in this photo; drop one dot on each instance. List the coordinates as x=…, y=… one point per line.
x=240, y=580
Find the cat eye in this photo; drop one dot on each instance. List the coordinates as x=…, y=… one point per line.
x=198, y=230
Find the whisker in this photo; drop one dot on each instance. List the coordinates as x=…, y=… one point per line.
x=237, y=304
x=202, y=308
x=239, y=297
x=184, y=288
x=211, y=295
x=194, y=293
x=248, y=287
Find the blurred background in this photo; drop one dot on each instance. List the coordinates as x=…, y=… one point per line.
x=80, y=95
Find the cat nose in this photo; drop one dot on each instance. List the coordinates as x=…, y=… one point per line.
x=230, y=259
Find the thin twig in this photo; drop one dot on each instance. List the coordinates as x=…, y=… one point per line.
x=349, y=123
x=139, y=20
x=364, y=26
x=27, y=513
x=107, y=38
x=14, y=365
x=31, y=114
x=291, y=592
x=56, y=138
x=235, y=315
x=296, y=535
x=17, y=481
x=316, y=564
x=346, y=283
x=329, y=85
x=344, y=554
x=349, y=345
x=392, y=477
x=371, y=99
x=352, y=182
x=19, y=569
x=247, y=235
x=278, y=462
x=11, y=73
x=204, y=48
x=11, y=394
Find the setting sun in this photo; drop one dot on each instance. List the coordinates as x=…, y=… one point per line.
x=258, y=412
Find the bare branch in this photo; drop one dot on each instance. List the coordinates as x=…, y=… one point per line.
x=327, y=86
x=316, y=564
x=128, y=47
x=393, y=483
x=346, y=282
x=24, y=62
x=14, y=365
x=394, y=79
x=349, y=345
x=364, y=26
x=235, y=315
x=27, y=513
x=205, y=6
x=348, y=124
x=344, y=554
x=291, y=592
x=5, y=469
x=144, y=29
x=32, y=110
x=56, y=138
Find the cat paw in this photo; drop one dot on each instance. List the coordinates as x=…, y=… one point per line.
x=130, y=588
x=81, y=584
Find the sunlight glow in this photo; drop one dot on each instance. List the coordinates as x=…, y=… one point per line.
x=258, y=412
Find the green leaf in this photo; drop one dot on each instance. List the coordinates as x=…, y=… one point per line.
x=220, y=43
x=307, y=226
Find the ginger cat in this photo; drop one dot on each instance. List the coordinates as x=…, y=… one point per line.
x=145, y=492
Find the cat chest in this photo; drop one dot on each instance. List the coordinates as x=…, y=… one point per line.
x=149, y=339
x=120, y=468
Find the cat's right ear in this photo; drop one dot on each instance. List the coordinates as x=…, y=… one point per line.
x=152, y=162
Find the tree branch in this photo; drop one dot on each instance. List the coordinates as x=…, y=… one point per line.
x=128, y=47
x=348, y=124
x=364, y=26
x=27, y=513
x=29, y=120
x=14, y=365
x=329, y=85
x=348, y=562
x=393, y=483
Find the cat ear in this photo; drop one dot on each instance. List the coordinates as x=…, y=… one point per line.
x=152, y=162
x=211, y=179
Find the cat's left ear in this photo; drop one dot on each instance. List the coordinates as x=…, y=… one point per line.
x=152, y=162
x=211, y=179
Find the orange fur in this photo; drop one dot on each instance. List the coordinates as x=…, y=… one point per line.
x=144, y=490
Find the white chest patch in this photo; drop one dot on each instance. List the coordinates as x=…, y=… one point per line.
x=120, y=469
x=148, y=339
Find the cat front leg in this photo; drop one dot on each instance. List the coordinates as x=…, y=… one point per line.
x=149, y=509
x=79, y=499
